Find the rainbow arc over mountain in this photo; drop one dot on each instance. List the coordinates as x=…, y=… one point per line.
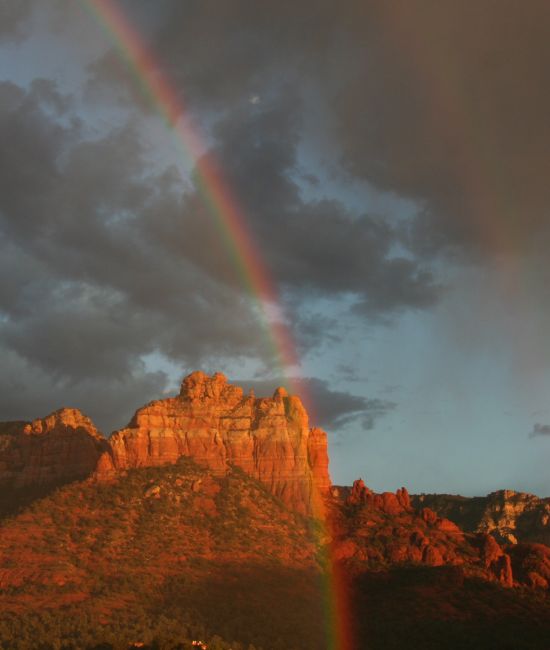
x=233, y=230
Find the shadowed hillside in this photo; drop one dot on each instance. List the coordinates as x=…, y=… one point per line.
x=167, y=555
x=212, y=555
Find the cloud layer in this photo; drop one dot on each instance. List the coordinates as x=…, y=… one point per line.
x=333, y=409
x=108, y=255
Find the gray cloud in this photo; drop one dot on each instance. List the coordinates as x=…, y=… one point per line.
x=313, y=246
x=449, y=105
x=12, y=18
x=27, y=392
x=331, y=409
x=445, y=103
x=105, y=256
x=540, y=430
x=85, y=291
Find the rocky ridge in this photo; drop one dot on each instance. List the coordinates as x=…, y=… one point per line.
x=217, y=426
x=384, y=530
x=509, y=516
x=59, y=448
x=210, y=421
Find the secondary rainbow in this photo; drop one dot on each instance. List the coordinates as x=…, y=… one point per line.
x=232, y=227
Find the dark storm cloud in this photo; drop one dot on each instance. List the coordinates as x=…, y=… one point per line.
x=332, y=409
x=83, y=236
x=32, y=142
x=442, y=102
x=313, y=247
x=106, y=257
x=12, y=17
x=27, y=392
x=448, y=104
x=85, y=291
x=219, y=53
x=540, y=430
x=312, y=329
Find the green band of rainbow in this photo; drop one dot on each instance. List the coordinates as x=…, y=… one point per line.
x=245, y=256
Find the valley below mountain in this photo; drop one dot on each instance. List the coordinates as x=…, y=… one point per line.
x=211, y=518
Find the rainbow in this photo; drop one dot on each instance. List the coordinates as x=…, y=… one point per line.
x=222, y=204
x=232, y=226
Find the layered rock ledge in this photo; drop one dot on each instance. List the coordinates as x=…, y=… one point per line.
x=218, y=426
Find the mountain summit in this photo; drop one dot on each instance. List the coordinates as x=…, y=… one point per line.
x=216, y=425
x=210, y=421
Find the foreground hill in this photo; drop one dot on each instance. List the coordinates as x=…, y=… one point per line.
x=167, y=553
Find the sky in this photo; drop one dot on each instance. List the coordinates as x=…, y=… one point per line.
x=391, y=164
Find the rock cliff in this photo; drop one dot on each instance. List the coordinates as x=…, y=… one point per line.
x=218, y=426
x=61, y=447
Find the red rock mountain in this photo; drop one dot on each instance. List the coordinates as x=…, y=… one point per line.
x=217, y=425
x=210, y=421
x=61, y=447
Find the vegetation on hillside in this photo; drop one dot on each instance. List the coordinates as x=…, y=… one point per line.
x=159, y=555
x=166, y=556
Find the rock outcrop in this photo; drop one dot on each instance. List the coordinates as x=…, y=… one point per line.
x=531, y=564
x=495, y=560
x=218, y=426
x=62, y=447
x=513, y=516
x=387, y=502
x=383, y=530
x=509, y=516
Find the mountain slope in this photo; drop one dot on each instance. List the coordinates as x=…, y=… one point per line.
x=165, y=555
x=177, y=541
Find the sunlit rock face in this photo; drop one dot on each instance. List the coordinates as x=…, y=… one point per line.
x=513, y=516
x=61, y=447
x=214, y=423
